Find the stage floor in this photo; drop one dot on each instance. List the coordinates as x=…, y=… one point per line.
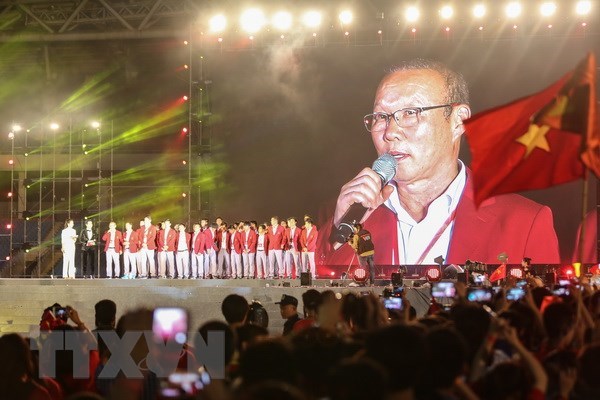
x=23, y=300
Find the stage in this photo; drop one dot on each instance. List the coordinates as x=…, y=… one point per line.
x=23, y=300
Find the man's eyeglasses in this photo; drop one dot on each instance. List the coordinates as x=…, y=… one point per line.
x=405, y=118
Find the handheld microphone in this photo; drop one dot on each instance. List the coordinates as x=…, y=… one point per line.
x=385, y=167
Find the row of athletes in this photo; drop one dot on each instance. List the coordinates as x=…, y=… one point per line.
x=242, y=250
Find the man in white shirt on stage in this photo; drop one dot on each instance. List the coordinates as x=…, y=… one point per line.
x=68, y=238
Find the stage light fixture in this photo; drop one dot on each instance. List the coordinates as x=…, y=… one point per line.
x=8, y=226
x=185, y=98
x=345, y=17
x=414, y=30
x=412, y=14
x=312, y=19
x=447, y=29
x=252, y=20
x=9, y=194
x=7, y=258
x=220, y=40
x=433, y=274
x=346, y=33
x=548, y=9
x=16, y=128
x=54, y=126
x=282, y=20
x=183, y=194
x=480, y=28
x=379, y=32
x=516, y=271
x=446, y=12
x=360, y=275
x=11, y=135
x=184, y=162
x=95, y=124
x=217, y=23
x=513, y=9
x=583, y=7
x=479, y=10
x=11, y=161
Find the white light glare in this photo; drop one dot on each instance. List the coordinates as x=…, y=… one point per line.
x=583, y=7
x=252, y=20
x=217, y=23
x=479, y=10
x=95, y=124
x=282, y=20
x=548, y=9
x=54, y=126
x=513, y=9
x=312, y=19
x=16, y=128
x=412, y=14
x=345, y=17
x=446, y=12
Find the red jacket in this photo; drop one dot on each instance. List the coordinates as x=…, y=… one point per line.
x=199, y=244
x=211, y=240
x=293, y=242
x=118, y=241
x=250, y=243
x=169, y=242
x=266, y=243
x=507, y=223
x=188, y=240
x=310, y=242
x=237, y=245
x=134, y=242
x=149, y=235
x=277, y=239
x=219, y=238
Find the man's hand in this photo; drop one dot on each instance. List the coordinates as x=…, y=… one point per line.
x=365, y=189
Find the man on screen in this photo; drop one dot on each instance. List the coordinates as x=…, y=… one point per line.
x=428, y=208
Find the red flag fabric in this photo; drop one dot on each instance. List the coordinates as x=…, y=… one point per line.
x=499, y=273
x=538, y=141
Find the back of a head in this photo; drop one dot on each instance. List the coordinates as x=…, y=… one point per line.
x=357, y=380
x=137, y=320
x=310, y=299
x=399, y=349
x=473, y=323
x=218, y=327
x=234, y=309
x=248, y=334
x=268, y=360
x=16, y=358
x=505, y=380
x=106, y=314
x=447, y=358
x=558, y=320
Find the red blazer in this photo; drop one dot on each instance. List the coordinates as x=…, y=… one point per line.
x=510, y=223
x=249, y=244
x=188, y=240
x=134, y=242
x=293, y=242
x=118, y=241
x=219, y=235
x=150, y=237
x=277, y=239
x=237, y=245
x=310, y=242
x=210, y=240
x=199, y=244
x=169, y=243
x=266, y=244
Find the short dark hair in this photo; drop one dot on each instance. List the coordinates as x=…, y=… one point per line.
x=457, y=90
x=309, y=220
x=218, y=326
x=310, y=299
x=234, y=308
x=106, y=313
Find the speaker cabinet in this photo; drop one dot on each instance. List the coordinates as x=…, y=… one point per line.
x=305, y=279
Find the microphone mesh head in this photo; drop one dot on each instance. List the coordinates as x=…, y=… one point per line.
x=385, y=166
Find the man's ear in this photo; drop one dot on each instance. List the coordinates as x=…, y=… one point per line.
x=461, y=113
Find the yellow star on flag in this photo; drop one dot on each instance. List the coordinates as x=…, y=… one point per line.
x=535, y=138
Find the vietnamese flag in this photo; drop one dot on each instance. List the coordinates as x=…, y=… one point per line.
x=499, y=273
x=537, y=141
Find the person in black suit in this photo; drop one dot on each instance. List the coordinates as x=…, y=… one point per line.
x=88, y=238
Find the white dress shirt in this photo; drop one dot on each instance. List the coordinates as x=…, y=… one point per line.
x=414, y=237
